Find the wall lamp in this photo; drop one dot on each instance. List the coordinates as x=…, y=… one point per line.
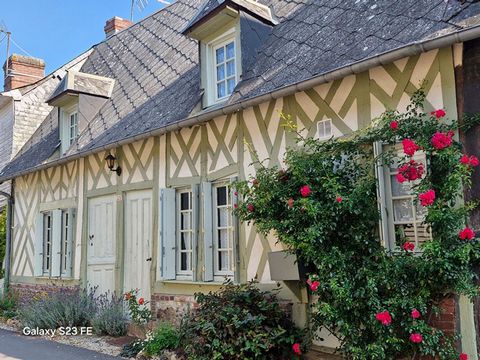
x=110, y=159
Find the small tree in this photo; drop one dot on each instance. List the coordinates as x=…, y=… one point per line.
x=323, y=206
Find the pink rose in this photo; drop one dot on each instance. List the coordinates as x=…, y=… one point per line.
x=409, y=147
x=408, y=246
x=415, y=314
x=250, y=208
x=305, y=191
x=427, y=198
x=438, y=113
x=394, y=125
x=416, y=338
x=463, y=356
x=384, y=317
x=296, y=349
x=441, y=140
x=466, y=234
x=339, y=199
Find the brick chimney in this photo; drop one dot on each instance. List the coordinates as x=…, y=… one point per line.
x=22, y=70
x=115, y=25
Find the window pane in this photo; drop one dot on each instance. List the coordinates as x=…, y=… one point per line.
x=231, y=68
x=230, y=50
x=221, y=90
x=223, y=261
x=220, y=55
x=222, y=214
x=230, y=86
x=185, y=221
x=399, y=189
x=402, y=210
x=184, y=241
x=222, y=195
x=220, y=72
x=183, y=262
x=223, y=239
x=185, y=201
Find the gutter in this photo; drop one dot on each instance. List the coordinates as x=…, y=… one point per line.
x=355, y=68
x=8, y=240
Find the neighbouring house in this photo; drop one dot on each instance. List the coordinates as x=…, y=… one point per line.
x=127, y=182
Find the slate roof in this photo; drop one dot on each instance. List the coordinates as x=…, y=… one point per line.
x=156, y=70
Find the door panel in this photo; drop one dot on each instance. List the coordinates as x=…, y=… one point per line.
x=138, y=242
x=101, y=252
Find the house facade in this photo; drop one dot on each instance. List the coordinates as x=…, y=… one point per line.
x=129, y=184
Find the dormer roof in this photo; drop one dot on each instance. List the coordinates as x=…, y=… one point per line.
x=223, y=11
x=75, y=83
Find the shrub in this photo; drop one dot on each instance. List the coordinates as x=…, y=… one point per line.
x=239, y=322
x=109, y=317
x=8, y=306
x=164, y=337
x=65, y=307
x=132, y=349
x=138, y=309
x=323, y=206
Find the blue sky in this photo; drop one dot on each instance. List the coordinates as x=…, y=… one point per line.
x=59, y=30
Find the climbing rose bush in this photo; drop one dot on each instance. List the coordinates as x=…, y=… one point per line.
x=322, y=205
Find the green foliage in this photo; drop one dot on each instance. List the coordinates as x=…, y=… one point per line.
x=334, y=230
x=110, y=316
x=164, y=337
x=238, y=322
x=8, y=306
x=138, y=309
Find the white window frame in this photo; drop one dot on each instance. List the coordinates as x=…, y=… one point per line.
x=184, y=274
x=223, y=45
x=72, y=126
x=387, y=199
x=322, y=125
x=47, y=243
x=66, y=114
x=67, y=222
x=219, y=275
x=209, y=66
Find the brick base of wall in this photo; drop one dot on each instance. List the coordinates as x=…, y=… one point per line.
x=446, y=320
x=27, y=292
x=171, y=308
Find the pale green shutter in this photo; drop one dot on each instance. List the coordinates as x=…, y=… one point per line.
x=207, y=231
x=236, y=227
x=56, y=255
x=70, y=242
x=167, y=226
x=195, y=207
x=38, y=271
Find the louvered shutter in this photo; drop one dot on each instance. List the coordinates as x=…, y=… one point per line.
x=38, y=271
x=70, y=242
x=167, y=227
x=207, y=231
x=56, y=252
x=236, y=227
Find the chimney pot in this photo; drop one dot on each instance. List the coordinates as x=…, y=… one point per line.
x=22, y=70
x=115, y=25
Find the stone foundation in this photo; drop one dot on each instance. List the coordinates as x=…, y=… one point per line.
x=172, y=308
x=446, y=320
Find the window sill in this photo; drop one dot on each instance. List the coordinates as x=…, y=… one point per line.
x=190, y=282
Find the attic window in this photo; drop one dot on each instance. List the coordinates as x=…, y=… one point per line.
x=225, y=69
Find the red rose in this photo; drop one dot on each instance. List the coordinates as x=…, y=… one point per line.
x=250, y=208
x=409, y=147
x=339, y=199
x=465, y=160
x=416, y=314
x=128, y=296
x=466, y=234
x=305, y=191
x=416, y=338
x=463, y=356
x=408, y=246
x=427, y=198
x=296, y=349
x=400, y=178
x=290, y=203
x=441, y=140
x=313, y=284
x=474, y=161
x=235, y=193
x=394, y=125
x=384, y=317
x=141, y=301
x=235, y=206
x=438, y=113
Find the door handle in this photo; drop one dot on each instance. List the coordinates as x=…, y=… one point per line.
x=149, y=259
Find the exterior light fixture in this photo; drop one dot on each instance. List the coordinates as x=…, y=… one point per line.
x=110, y=159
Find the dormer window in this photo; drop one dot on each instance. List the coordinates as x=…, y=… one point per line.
x=229, y=33
x=225, y=69
x=73, y=133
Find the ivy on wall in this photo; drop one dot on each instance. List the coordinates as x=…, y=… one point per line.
x=323, y=206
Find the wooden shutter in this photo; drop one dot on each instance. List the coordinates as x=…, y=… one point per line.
x=381, y=195
x=195, y=221
x=72, y=217
x=207, y=231
x=56, y=255
x=167, y=249
x=236, y=227
x=38, y=271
